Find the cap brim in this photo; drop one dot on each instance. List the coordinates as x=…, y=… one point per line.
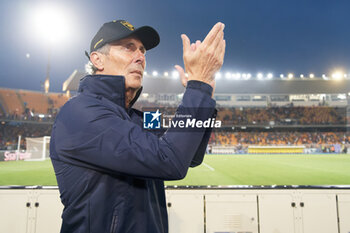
x=148, y=36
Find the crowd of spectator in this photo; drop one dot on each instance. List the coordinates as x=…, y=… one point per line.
x=276, y=115
x=29, y=117
x=283, y=116
x=28, y=124
x=325, y=141
x=10, y=131
x=286, y=115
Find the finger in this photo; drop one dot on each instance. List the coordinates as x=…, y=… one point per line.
x=182, y=74
x=185, y=43
x=212, y=84
x=193, y=46
x=217, y=40
x=217, y=44
x=220, y=53
x=213, y=32
x=198, y=43
x=221, y=50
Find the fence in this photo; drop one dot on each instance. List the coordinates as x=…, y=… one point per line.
x=247, y=209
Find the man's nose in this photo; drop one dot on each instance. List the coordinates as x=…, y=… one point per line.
x=140, y=56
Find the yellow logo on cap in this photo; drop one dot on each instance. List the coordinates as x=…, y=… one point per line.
x=127, y=25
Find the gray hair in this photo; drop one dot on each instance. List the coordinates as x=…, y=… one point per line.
x=89, y=67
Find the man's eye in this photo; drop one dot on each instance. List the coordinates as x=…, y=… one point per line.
x=133, y=48
x=130, y=47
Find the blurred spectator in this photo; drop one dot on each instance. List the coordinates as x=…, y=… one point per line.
x=10, y=131
x=328, y=142
x=32, y=124
x=283, y=116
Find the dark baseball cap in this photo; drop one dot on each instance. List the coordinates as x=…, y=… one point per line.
x=120, y=29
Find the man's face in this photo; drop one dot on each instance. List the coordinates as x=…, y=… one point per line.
x=127, y=57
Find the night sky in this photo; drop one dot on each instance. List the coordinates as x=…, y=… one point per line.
x=278, y=36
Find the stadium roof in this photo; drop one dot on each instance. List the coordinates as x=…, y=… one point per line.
x=72, y=83
x=162, y=84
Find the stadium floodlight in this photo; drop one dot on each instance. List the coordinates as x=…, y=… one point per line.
x=244, y=76
x=249, y=75
x=281, y=76
x=260, y=76
x=145, y=95
x=341, y=96
x=175, y=74
x=228, y=75
x=312, y=75
x=238, y=75
x=180, y=95
x=290, y=75
x=301, y=76
x=47, y=85
x=337, y=75
x=166, y=74
x=51, y=23
x=218, y=75
x=269, y=75
x=324, y=76
x=155, y=73
x=144, y=73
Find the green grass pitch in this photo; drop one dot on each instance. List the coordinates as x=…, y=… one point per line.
x=279, y=169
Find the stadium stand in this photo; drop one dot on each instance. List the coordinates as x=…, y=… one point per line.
x=9, y=132
x=303, y=116
x=280, y=138
x=285, y=115
x=56, y=101
x=35, y=101
x=10, y=102
x=327, y=142
x=278, y=115
x=18, y=104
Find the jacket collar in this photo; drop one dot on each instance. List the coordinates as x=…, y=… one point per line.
x=111, y=87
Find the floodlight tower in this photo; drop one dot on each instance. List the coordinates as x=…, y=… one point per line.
x=47, y=79
x=51, y=26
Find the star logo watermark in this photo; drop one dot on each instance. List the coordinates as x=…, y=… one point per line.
x=151, y=120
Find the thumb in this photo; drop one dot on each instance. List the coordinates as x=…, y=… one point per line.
x=182, y=75
x=185, y=43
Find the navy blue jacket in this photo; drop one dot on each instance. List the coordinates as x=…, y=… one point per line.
x=109, y=170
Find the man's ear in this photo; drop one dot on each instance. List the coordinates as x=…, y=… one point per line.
x=98, y=60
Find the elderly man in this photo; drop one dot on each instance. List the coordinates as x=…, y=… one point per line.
x=109, y=170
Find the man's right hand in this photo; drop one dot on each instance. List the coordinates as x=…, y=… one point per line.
x=203, y=59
